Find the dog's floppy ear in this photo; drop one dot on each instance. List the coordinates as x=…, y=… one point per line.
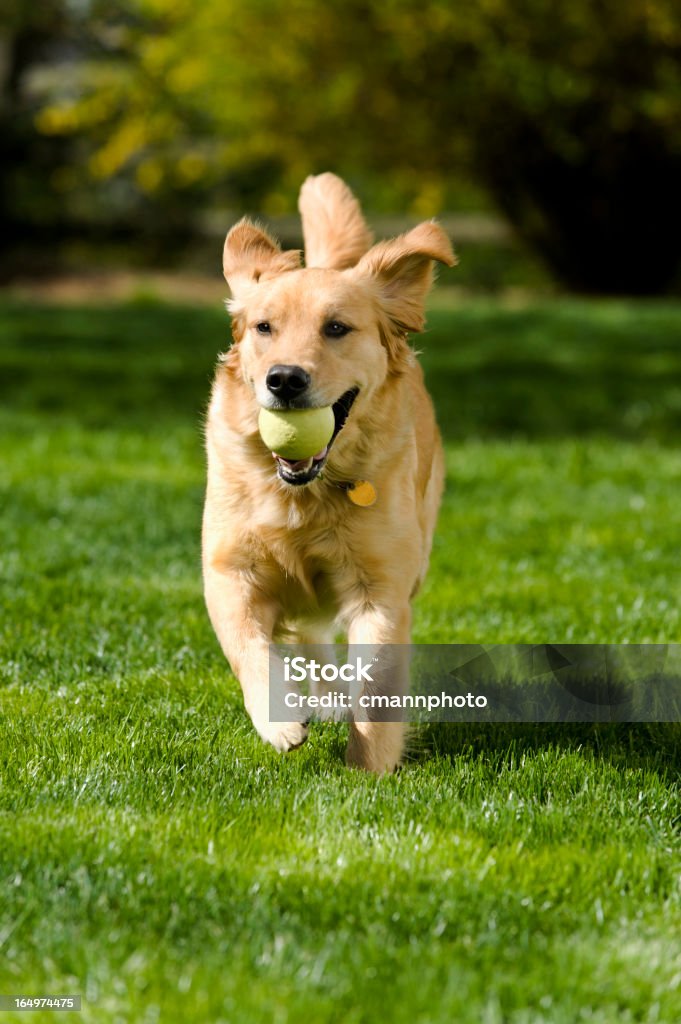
x=402, y=270
x=250, y=254
x=335, y=232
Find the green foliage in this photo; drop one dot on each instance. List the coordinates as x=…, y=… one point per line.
x=158, y=859
x=568, y=114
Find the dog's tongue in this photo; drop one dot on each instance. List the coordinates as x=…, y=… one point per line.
x=298, y=465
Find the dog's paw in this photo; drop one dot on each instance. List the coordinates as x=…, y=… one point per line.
x=375, y=746
x=283, y=736
x=369, y=762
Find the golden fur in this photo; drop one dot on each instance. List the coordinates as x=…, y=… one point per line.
x=297, y=562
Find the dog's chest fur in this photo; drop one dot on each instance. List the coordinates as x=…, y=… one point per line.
x=315, y=547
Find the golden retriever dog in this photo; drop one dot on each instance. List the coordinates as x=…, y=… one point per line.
x=296, y=550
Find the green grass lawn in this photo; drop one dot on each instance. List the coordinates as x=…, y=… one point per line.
x=158, y=860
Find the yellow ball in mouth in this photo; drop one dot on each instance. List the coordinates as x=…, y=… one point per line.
x=296, y=433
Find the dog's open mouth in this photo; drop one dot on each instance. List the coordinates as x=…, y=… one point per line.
x=304, y=471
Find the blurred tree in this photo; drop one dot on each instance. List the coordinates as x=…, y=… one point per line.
x=570, y=114
x=26, y=157
x=579, y=136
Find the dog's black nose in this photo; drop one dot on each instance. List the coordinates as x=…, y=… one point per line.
x=287, y=382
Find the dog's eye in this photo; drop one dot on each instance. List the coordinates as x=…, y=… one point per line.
x=264, y=327
x=335, y=329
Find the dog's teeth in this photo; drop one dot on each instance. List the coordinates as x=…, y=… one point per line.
x=297, y=465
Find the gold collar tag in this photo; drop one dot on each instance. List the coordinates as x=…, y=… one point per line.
x=362, y=493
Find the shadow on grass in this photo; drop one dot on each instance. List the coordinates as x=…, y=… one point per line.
x=568, y=368
x=563, y=368
x=650, y=746
x=118, y=367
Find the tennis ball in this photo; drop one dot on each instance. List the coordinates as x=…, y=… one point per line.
x=296, y=433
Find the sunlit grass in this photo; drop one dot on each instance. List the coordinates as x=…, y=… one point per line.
x=157, y=859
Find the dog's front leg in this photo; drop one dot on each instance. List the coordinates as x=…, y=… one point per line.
x=374, y=744
x=243, y=619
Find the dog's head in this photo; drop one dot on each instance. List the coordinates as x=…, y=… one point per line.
x=333, y=332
